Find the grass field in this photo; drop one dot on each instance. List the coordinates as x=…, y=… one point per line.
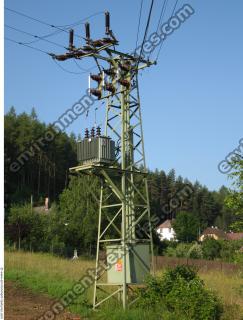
x=44, y=273
x=52, y=275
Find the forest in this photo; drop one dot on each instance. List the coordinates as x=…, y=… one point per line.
x=71, y=221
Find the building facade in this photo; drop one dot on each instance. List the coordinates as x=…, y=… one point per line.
x=166, y=231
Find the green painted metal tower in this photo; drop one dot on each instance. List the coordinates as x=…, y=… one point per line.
x=124, y=241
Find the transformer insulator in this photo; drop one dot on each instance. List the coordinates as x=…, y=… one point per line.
x=110, y=87
x=98, y=132
x=93, y=132
x=125, y=83
x=86, y=134
x=96, y=77
x=125, y=67
x=71, y=35
x=107, y=22
x=110, y=72
x=87, y=31
x=96, y=93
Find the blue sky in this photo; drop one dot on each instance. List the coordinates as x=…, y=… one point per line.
x=191, y=101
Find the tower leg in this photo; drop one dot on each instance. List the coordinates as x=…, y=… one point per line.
x=98, y=245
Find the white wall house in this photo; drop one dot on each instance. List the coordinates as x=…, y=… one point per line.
x=165, y=231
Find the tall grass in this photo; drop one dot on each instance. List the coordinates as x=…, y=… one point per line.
x=55, y=276
x=229, y=287
x=48, y=274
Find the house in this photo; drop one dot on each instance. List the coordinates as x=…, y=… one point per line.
x=217, y=234
x=213, y=232
x=166, y=231
x=235, y=235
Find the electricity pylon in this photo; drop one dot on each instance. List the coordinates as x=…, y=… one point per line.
x=124, y=224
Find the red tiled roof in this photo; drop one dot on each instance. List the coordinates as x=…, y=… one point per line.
x=223, y=235
x=217, y=232
x=165, y=224
x=235, y=236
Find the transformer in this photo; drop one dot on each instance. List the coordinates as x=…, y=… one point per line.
x=137, y=263
x=96, y=150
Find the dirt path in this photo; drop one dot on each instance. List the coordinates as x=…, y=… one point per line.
x=22, y=304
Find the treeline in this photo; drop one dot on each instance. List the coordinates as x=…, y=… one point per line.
x=32, y=166
x=72, y=220
x=170, y=194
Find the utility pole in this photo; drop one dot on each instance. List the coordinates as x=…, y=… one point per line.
x=31, y=203
x=124, y=222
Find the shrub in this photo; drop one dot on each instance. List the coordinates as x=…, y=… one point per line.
x=195, y=252
x=180, y=251
x=227, y=250
x=182, y=294
x=238, y=257
x=230, y=251
x=211, y=249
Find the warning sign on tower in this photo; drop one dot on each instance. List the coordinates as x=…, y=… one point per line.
x=118, y=265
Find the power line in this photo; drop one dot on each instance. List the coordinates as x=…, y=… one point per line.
x=26, y=45
x=139, y=21
x=51, y=25
x=31, y=18
x=35, y=36
x=146, y=29
x=162, y=14
x=83, y=69
x=43, y=38
x=68, y=71
x=68, y=26
x=173, y=11
x=82, y=20
x=163, y=9
x=42, y=51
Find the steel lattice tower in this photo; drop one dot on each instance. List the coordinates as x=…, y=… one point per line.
x=124, y=223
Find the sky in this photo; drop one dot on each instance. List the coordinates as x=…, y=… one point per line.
x=191, y=100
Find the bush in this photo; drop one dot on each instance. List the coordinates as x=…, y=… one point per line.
x=180, y=251
x=238, y=257
x=211, y=249
x=227, y=250
x=182, y=294
x=195, y=252
x=230, y=251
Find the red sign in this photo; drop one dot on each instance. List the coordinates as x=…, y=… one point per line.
x=118, y=265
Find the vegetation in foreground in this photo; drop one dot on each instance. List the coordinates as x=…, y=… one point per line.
x=44, y=273
x=180, y=293
x=52, y=275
